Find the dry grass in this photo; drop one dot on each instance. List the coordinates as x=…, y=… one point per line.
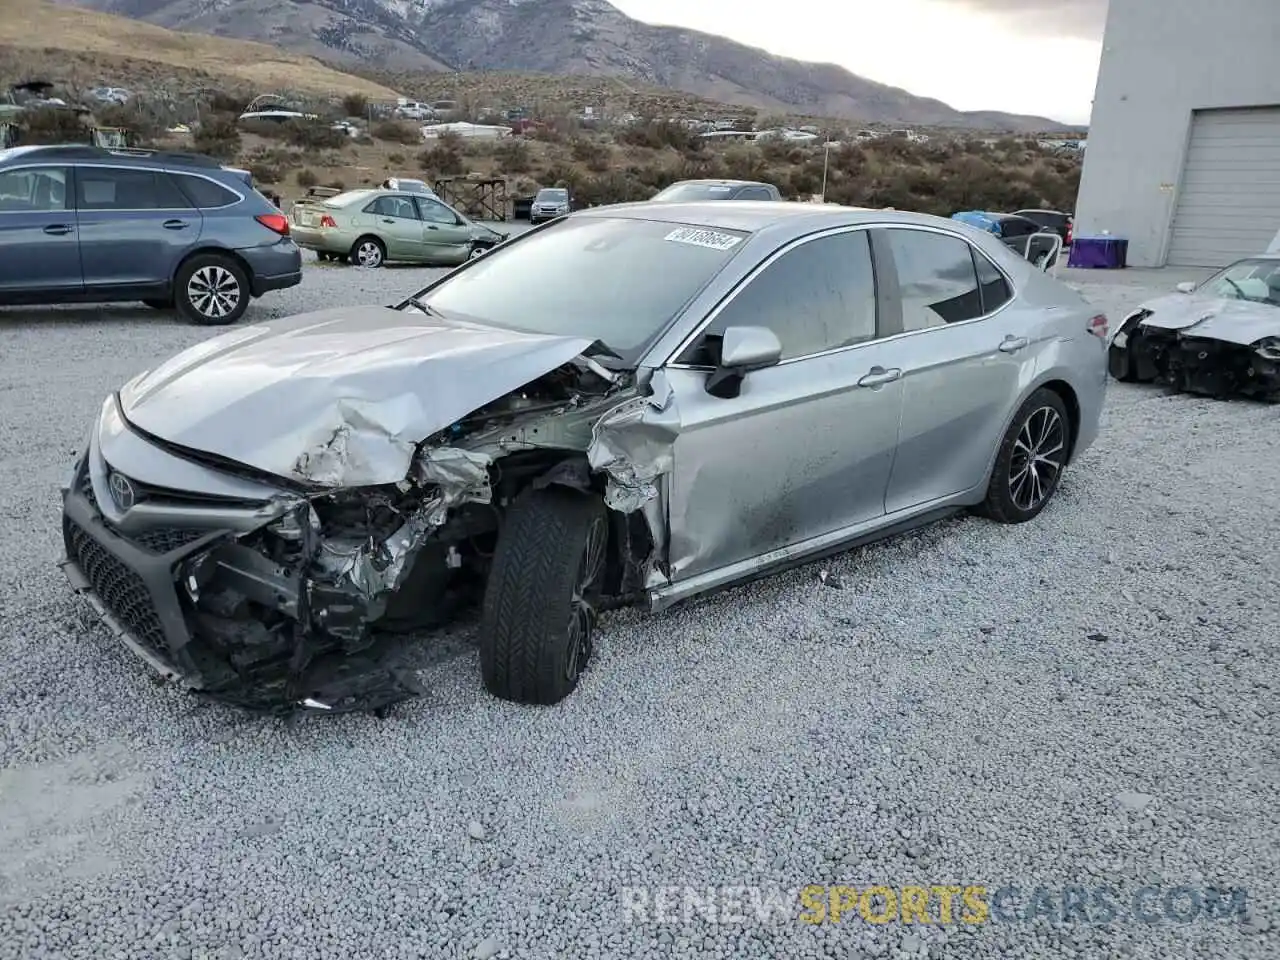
x=40, y=27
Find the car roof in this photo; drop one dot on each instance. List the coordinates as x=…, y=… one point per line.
x=87, y=153
x=722, y=183
x=1056, y=213
x=785, y=218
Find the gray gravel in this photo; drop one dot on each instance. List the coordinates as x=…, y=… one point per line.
x=1089, y=699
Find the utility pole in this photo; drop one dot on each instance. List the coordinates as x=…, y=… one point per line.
x=826, y=158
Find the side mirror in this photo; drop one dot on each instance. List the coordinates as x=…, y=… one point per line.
x=1186, y=286
x=742, y=349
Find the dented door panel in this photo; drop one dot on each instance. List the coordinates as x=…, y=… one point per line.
x=802, y=451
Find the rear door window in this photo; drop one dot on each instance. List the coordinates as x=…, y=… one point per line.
x=107, y=188
x=937, y=279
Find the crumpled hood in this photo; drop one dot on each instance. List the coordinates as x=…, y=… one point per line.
x=1233, y=321
x=339, y=397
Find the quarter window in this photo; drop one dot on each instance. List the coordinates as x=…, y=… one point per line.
x=33, y=190
x=994, y=287
x=936, y=278
x=818, y=296
x=204, y=193
x=103, y=188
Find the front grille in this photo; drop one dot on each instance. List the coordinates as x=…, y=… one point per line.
x=161, y=540
x=119, y=588
x=166, y=539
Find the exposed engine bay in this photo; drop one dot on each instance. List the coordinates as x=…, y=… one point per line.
x=315, y=608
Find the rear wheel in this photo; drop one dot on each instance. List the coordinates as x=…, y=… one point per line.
x=1032, y=457
x=368, y=252
x=542, y=596
x=212, y=290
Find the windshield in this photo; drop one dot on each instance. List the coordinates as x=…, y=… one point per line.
x=610, y=279
x=553, y=194
x=1257, y=280
x=697, y=191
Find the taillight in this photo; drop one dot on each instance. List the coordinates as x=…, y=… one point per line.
x=328, y=221
x=1070, y=227
x=275, y=222
x=1098, y=326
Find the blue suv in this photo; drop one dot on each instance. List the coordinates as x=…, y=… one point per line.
x=82, y=224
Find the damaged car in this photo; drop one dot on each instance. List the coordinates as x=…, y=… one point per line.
x=636, y=404
x=1219, y=338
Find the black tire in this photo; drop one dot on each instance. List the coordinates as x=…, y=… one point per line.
x=159, y=304
x=1018, y=489
x=212, y=290
x=358, y=256
x=535, y=639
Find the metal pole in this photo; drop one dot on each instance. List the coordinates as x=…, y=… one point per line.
x=826, y=157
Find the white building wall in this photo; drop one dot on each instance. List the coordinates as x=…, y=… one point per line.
x=1161, y=60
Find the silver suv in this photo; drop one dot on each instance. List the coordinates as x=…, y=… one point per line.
x=550, y=202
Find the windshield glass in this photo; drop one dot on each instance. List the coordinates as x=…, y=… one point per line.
x=552, y=194
x=1257, y=280
x=696, y=191
x=610, y=279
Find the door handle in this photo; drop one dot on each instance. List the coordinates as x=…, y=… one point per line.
x=57, y=229
x=387, y=220
x=879, y=375
x=432, y=226
x=175, y=224
x=1013, y=344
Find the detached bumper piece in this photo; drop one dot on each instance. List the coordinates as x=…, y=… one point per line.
x=249, y=656
x=1202, y=366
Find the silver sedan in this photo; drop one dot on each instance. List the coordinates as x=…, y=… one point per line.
x=631, y=404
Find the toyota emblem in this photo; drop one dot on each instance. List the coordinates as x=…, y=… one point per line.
x=121, y=490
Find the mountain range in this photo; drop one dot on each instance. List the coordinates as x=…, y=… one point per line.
x=558, y=37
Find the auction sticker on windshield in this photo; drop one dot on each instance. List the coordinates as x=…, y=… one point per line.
x=712, y=239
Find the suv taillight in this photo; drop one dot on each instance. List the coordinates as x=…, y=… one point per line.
x=1098, y=326
x=328, y=221
x=275, y=222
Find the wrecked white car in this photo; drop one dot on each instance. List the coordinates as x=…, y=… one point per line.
x=1220, y=338
x=632, y=404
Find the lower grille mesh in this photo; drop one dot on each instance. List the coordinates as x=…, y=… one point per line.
x=120, y=589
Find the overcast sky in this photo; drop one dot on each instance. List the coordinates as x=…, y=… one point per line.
x=959, y=51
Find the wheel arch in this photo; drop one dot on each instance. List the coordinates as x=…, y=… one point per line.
x=211, y=250
x=1066, y=393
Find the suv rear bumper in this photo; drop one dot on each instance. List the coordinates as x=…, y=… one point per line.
x=274, y=267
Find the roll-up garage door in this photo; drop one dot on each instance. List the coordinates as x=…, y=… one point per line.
x=1228, y=205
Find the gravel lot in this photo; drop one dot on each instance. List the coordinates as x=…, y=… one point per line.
x=1090, y=699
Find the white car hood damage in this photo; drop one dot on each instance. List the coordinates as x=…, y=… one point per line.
x=1234, y=321
x=337, y=398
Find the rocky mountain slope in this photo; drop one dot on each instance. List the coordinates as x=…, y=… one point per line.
x=574, y=37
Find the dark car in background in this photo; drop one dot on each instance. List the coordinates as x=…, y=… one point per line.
x=83, y=224
x=1025, y=236
x=684, y=191
x=1054, y=221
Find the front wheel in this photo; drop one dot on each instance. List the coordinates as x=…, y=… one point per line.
x=1032, y=456
x=543, y=592
x=212, y=290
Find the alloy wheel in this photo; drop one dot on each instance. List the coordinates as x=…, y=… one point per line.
x=214, y=291
x=586, y=592
x=1038, y=454
x=369, y=254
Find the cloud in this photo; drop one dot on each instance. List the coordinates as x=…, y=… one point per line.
x=1076, y=19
